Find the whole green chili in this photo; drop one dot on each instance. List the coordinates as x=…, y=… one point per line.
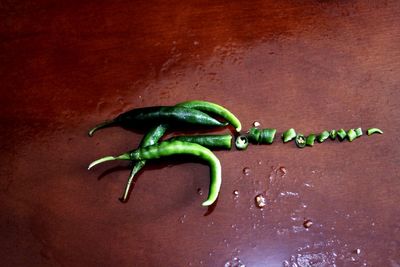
x=169, y=148
x=300, y=140
x=222, y=141
x=241, y=142
x=158, y=115
x=374, y=130
x=351, y=135
x=289, y=135
x=341, y=134
x=310, y=140
x=322, y=136
x=209, y=107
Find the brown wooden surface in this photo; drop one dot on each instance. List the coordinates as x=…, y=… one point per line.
x=310, y=65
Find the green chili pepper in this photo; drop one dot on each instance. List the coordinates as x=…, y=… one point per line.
x=151, y=138
x=254, y=135
x=342, y=134
x=333, y=134
x=322, y=136
x=209, y=107
x=267, y=136
x=358, y=132
x=241, y=142
x=289, y=135
x=222, y=141
x=374, y=130
x=169, y=148
x=310, y=140
x=154, y=135
x=300, y=140
x=351, y=135
x=158, y=115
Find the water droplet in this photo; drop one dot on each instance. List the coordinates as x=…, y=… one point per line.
x=196, y=42
x=307, y=224
x=182, y=218
x=256, y=124
x=199, y=191
x=246, y=171
x=357, y=251
x=235, y=193
x=261, y=201
x=235, y=262
x=282, y=170
x=259, y=162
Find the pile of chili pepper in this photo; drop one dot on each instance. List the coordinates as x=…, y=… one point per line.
x=159, y=119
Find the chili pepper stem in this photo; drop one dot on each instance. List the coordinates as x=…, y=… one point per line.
x=100, y=126
x=138, y=166
x=108, y=158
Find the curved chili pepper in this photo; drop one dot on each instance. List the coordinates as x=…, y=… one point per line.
x=209, y=107
x=374, y=130
x=169, y=148
x=241, y=142
x=161, y=114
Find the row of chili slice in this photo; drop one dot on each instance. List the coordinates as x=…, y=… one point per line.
x=267, y=136
x=160, y=119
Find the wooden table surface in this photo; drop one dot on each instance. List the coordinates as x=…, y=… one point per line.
x=311, y=65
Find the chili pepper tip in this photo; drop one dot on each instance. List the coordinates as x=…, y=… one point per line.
x=99, y=126
x=207, y=203
x=98, y=161
x=124, y=156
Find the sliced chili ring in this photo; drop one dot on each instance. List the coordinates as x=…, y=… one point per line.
x=333, y=134
x=310, y=140
x=342, y=134
x=351, y=135
x=323, y=136
x=358, y=132
x=300, y=140
x=289, y=135
x=241, y=142
x=267, y=136
x=254, y=135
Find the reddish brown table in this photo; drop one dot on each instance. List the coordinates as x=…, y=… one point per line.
x=310, y=65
